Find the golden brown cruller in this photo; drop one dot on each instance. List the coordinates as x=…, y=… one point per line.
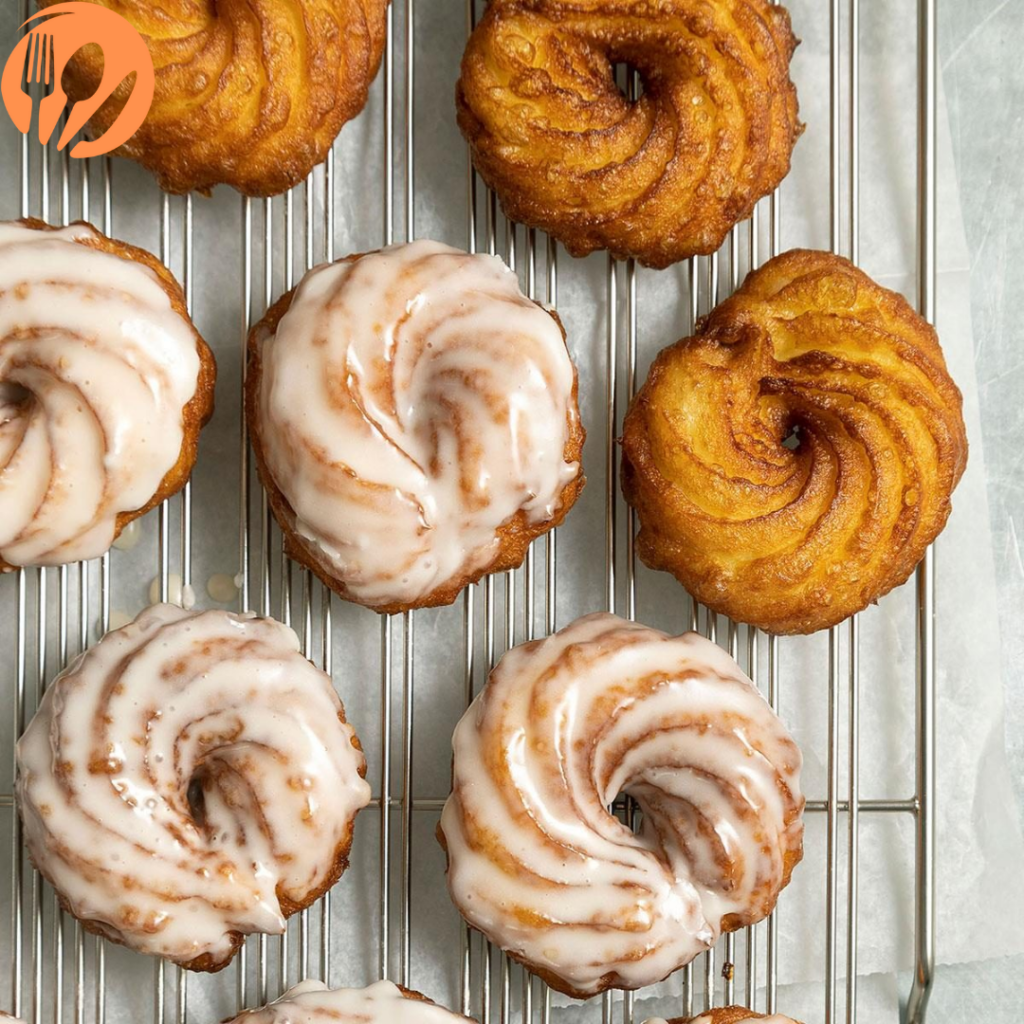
x=792, y=461
x=659, y=178
x=251, y=95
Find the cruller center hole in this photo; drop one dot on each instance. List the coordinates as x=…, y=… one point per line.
x=13, y=400
x=792, y=438
x=629, y=82
x=197, y=802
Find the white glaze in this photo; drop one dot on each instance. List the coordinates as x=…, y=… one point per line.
x=311, y=1002
x=566, y=724
x=213, y=698
x=109, y=366
x=411, y=402
x=8, y=1017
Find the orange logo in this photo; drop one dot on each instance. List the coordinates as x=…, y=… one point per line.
x=42, y=55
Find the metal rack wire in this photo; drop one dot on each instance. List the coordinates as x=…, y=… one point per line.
x=59, y=973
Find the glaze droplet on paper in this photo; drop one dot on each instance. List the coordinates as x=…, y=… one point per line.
x=222, y=588
x=178, y=593
x=128, y=539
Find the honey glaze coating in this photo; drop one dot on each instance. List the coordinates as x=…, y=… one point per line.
x=727, y=1015
x=415, y=422
x=660, y=178
x=189, y=780
x=104, y=386
x=795, y=539
x=566, y=724
x=247, y=94
x=312, y=1002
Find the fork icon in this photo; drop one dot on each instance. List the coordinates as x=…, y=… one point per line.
x=41, y=56
x=38, y=66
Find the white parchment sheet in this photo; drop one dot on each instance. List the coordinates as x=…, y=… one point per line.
x=980, y=902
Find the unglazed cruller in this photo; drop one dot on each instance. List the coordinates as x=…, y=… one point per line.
x=189, y=780
x=415, y=423
x=565, y=725
x=792, y=461
x=312, y=1002
x=104, y=387
x=659, y=177
x=249, y=94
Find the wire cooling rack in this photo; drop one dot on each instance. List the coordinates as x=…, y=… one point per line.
x=51, y=970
